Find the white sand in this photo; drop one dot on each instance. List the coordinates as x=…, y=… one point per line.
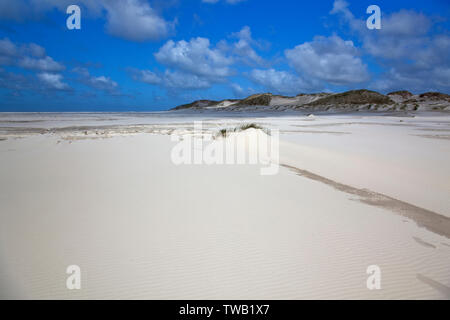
x=141, y=227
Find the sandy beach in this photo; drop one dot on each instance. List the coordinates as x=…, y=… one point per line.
x=101, y=191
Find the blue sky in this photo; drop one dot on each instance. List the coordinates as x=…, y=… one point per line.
x=137, y=55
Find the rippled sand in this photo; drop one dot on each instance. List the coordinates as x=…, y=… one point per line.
x=100, y=191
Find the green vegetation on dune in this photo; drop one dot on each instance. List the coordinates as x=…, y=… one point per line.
x=224, y=132
x=354, y=100
x=362, y=96
x=257, y=100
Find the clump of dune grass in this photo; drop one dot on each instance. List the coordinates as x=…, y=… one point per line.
x=248, y=126
x=224, y=132
x=252, y=126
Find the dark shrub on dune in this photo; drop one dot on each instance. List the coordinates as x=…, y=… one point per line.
x=354, y=97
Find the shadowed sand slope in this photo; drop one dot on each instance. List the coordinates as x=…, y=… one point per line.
x=424, y=218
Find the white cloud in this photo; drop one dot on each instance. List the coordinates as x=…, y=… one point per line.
x=42, y=64
x=135, y=20
x=198, y=64
x=238, y=91
x=8, y=52
x=193, y=64
x=8, y=48
x=175, y=80
x=413, y=58
x=103, y=83
x=147, y=76
x=403, y=34
x=329, y=59
x=405, y=23
x=53, y=81
x=243, y=47
x=27, y=56
x=35, y=50
x=281, y=82
x=171, y=79
x=397, y=24
x=196, y=57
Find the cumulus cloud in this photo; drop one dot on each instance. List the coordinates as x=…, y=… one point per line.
x=133, y=20
x=193, y=64
x=238, y=91
x=41, y=83
x=195, y=57
x=243, y=48
x=329, y=59
x=8, y=52
x=413, y=57
x=35, y=50
x=340, y=7
x=28, y=56
x=53, y=81
x=403, y=34
x=8, y=48
x=172, y=80
x=103, y=83
x=198, y=64
x=146, y=76
x=280, y=82
x=42, y=64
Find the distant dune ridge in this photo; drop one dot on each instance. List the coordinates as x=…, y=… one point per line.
x=354, y=100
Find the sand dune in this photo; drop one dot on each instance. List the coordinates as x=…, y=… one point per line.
x=141, y=227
